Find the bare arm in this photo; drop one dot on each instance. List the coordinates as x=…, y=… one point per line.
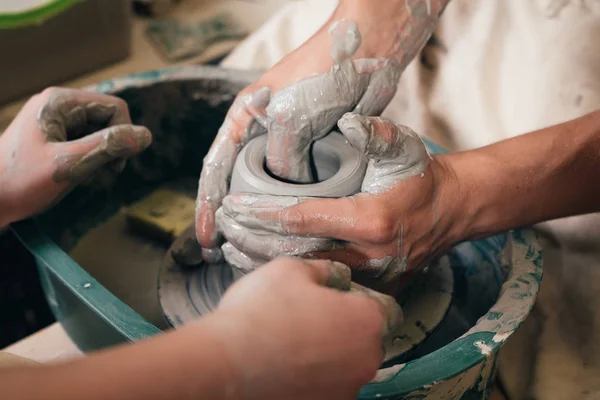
x=188, y=364
x=265, y=341
x=544, y=175
x=390, y=28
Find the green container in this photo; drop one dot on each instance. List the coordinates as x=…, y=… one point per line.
x=497, y=279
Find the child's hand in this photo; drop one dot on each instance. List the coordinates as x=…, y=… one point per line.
x=61, y=138
x=287, y=334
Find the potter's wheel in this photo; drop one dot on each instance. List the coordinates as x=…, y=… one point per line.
x=186, y=294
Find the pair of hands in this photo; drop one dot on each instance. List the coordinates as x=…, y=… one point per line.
x=319, y=90
x=384, y=233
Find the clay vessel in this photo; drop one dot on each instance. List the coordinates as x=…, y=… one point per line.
x=340, y=169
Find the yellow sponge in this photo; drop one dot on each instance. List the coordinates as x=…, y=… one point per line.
x=164, y=214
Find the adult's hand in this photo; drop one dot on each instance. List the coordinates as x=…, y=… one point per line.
x=61, y=138
x=298, y=101
x=290, y=335
x=400, y=219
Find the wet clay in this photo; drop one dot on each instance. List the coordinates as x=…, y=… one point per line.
x=65, y=116
x=393, y=156
x=245, y=114
x=117, y=144
x=339, y=167
x=308, y=109
x=263, y=226
x=337, y=161
x=340, y=278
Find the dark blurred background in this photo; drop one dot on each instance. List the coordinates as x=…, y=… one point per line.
x=24, y=308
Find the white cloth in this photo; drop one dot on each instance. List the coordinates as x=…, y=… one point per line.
x=507, y=67
x=293, y=24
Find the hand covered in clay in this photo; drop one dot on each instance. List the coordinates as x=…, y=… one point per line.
x=384, y=233
x=287, y=331
x=296, y=102
x=61, y=138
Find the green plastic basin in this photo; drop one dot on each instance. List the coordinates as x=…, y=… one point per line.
x=497, y=279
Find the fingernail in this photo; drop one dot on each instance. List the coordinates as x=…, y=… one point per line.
x=340, y=276
x=142, y=137
x=357, y=129
x=125, y=140
x=348, y=120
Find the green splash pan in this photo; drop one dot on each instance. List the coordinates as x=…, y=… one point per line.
x=497, y=279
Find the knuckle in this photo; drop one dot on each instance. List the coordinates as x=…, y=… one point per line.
x=293, y=221
x=50, y=92
x=120, y=102
x=112, y=134
x=121, y=105
x=381, y=229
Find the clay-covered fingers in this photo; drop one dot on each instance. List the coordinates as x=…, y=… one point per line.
x=309, y=108
x=384, y=75
x=185, y=250
x=245, y=120
x=347, y=219
x=240, y=260
x=265, y=244
x=331, y=274
x=395, y=152
x=391, y=312
x=78, y=160
x=262, y=227
x=338, y=276
x=67, y=114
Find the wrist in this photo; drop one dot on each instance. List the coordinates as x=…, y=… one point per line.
x=221, y=330
x=478, y=194
x=453, y=207
x=234, y=333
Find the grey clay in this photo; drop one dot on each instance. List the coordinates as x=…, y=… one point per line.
x=340, y=170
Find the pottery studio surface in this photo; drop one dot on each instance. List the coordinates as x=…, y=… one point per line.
x=108, y=284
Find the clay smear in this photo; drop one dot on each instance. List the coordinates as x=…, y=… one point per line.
x=308, y=109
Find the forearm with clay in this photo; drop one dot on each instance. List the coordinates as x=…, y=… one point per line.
x=543, y=175
x=373, y=42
